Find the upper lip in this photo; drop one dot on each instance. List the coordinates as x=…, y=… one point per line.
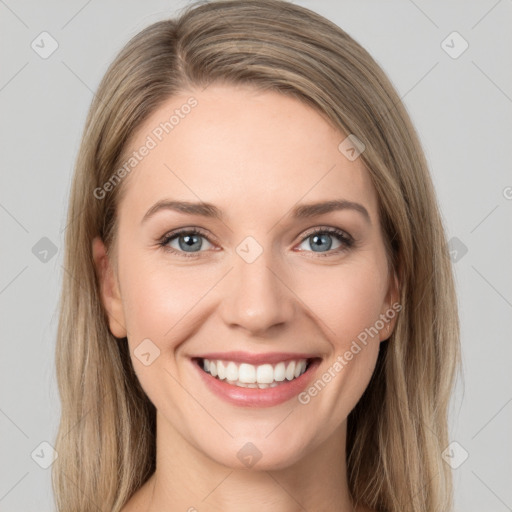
x=255, y=359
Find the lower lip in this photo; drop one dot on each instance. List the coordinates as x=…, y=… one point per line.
x=254, y=397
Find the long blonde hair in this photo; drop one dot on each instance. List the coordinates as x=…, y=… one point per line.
x=398, y=430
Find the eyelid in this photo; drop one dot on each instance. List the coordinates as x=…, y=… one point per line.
x=347, y=240
x=188, y=230
x=327, y=229
x=170, y=235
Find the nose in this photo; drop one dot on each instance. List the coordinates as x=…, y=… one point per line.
x=257, y=297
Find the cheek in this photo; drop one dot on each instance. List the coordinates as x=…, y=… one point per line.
x=346, y=299
x=159, y=299
x=160, y=303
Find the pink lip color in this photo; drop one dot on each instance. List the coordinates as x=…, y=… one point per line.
x=250, y=397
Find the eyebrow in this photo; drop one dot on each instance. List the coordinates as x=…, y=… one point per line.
x=303, y=211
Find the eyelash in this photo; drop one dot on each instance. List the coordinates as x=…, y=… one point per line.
x=346, y=241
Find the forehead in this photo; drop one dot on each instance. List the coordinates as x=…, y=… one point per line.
x=242, y=149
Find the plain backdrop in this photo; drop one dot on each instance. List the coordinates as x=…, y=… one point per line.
x=460, y=100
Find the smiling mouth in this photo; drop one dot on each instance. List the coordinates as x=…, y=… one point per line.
x=261, y=376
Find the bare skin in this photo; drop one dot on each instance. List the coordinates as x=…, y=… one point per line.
x=255, y=156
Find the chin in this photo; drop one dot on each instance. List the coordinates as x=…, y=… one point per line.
x=256, y=454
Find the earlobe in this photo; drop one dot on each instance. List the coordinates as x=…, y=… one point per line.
x=109, y=289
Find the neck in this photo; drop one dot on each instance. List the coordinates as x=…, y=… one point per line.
x=188, y=480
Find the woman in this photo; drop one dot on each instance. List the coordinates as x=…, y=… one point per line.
x=212, y=354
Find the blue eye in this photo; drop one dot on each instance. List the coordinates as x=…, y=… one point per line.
x=189, y=242
x=320, y=240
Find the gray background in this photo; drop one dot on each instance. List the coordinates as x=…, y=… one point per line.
x=462, y=108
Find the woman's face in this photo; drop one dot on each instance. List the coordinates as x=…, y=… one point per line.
x=253, y=288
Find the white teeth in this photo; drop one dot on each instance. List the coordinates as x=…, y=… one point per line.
x=250, y=376
x=221, y=370
x=299, y=368
x=290, y=370
x=279, y=372
x=265, y=374
x=232, y=371
x=247, y=373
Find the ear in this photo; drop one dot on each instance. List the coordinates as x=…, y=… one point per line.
x=109, y=289
x=391, y=307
